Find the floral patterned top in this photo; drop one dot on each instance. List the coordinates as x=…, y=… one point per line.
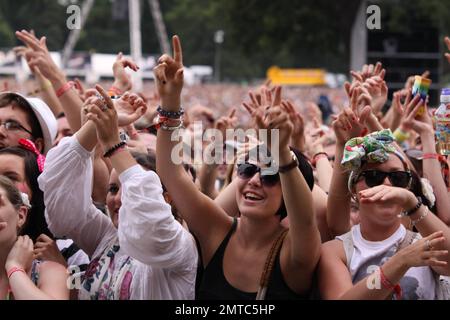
x=150, y=255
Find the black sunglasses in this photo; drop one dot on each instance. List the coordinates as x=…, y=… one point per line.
x=374, y=178
x=247, y=170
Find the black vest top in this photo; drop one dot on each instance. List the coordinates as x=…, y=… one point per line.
x=214, y=286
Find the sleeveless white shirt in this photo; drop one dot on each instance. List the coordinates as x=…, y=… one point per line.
x=417, y=284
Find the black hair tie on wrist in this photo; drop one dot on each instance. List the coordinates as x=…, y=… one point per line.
x=111, y=150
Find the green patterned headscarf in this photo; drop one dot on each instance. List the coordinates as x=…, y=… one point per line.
x=373, y=148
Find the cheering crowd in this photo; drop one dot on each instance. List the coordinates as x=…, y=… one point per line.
x=96, y=204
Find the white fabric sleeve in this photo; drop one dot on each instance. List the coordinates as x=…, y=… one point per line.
x=67, y=184
x=148, y=231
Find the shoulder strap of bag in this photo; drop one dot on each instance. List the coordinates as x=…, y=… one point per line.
x=268, y=266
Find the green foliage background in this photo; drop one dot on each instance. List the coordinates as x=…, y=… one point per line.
x=258, y=33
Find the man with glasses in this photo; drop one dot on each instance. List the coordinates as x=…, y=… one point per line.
x=26, y=118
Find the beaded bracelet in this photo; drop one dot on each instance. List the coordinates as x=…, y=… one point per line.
x=113, y=149
x=170, y=114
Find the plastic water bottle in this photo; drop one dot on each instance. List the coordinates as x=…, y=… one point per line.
x=442, y=117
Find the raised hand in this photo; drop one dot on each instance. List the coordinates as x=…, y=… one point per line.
x=228, y=122
x=378, y=90
x=261, y=104
x=130, y=107
x=348, y=125
x=39, y=56
x=298, y=133
x=46, y=249
x=122, y=79
x=369, y=71
x=21, y=254
x=169, y=77
x=277, y=118
x=101, y=111
x=411, y=109
x=447, y=43
x=421, y=124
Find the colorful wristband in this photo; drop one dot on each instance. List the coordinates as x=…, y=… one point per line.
x=13, y=270
x=61, y=91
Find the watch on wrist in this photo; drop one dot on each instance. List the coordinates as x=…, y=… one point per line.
x=293, y=164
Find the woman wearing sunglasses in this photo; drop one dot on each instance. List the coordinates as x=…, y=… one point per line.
x=237, y=254
x=379, y=258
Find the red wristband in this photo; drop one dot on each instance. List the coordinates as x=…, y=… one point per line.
x=388, y=285
x=430, y=156
x=114, y=91
x=13, y=270
x=69, y=85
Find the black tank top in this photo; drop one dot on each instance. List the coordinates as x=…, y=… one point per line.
x=214, y=286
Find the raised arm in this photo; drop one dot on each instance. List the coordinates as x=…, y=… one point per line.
x=301, y=250
x=39, y=57
x=206, y=220
x=431, y=166
x=147, y=228
x=347, y=125
x=209, y=169
x=67, y=183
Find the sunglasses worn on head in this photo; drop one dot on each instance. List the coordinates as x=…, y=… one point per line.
x=247, y=170
x=374, y=178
